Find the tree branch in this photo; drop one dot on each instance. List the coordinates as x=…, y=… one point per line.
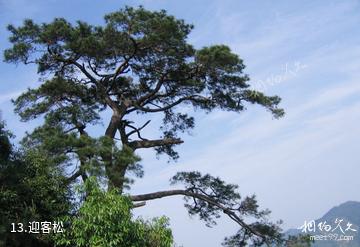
x=232, y=215
x=125, y=64
x=137, y=130
x=94, y=71
x=154, y=143
x=77, y=174
x=150, y=95
x=169, y=106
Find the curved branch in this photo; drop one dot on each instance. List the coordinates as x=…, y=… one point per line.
x=122, y=67
x=232, y=215
x=153, y=92
x=167, y=107
x=74, y=62
x=77, y=174
x=137, y=130
x=94, y=70
x=74, y=176
x=193, y=98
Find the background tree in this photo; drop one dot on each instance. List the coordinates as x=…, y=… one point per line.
x=138, y=62
x=32, y=189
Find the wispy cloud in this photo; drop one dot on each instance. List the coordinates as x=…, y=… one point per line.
x=292, y=164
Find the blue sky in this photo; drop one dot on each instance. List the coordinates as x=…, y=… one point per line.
x=307, y=52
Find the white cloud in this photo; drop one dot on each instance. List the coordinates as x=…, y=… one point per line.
x=8, y=96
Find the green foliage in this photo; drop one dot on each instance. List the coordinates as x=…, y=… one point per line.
x=244, y=237
x=208, y=185
x=72, y=96
x=32, y=189
x=5, y=145
x=105, y=220
x=137, y=60
x=63, y=147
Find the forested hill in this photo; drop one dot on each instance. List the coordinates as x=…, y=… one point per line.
x=335, y=231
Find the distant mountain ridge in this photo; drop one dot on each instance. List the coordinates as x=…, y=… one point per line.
x=332, y=229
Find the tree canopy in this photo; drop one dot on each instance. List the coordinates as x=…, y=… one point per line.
x=137, y=62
